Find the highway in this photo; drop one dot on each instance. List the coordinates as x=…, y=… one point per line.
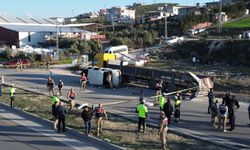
x=122, y=101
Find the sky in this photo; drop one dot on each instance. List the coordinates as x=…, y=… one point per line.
x=69, y=8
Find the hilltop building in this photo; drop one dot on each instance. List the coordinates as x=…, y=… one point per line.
x=120, y=14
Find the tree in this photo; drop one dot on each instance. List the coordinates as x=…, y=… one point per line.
x=20, y=55
x=7, y=53
x=116, y=41
x=74, y=49
x=32, y=57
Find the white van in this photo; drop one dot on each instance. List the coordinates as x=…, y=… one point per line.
x=97, y=76
x=117, y=49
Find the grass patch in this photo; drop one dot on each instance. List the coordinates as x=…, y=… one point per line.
x=242, y=23
x=116, y=130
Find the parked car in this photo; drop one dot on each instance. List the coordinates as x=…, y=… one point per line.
x=173, y=40
x=13, y=63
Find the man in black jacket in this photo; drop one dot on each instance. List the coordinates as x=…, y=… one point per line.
x=86, y=115
x=232, y=109
x=168, y=110
x=61, y=113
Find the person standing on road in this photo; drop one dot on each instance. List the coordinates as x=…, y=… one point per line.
x=161, y=100
x=249, y=113
x=50, y=86
x=168, y=110
x=214, y=113
x=194, y=61
x=100, y=113
x=71, y=97
x=142, y=111
x=55, y=103
x=60, y=86
x=61, y=113
x=17, y=66
x=86, y=115
x=109, y=80
x=158, y=87
x=163, y=128
x=12, y=95
x=177, y=107
x=226, y=99
x=1, y=86
x=211, y=98
x=232, y=109
x=223, y=112
x=21, y=64
x=83, y=82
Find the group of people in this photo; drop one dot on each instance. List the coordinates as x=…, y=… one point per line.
x=226, y=110
x=59, y=113
x=166, y=109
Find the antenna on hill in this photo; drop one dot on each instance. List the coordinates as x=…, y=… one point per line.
x=73, y=15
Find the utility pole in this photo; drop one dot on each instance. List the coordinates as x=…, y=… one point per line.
x=166, y=27
x=112, y=22
x=220, y=17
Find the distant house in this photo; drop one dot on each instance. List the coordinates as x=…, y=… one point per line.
x=88, y=15
x=180, y=10
x=154, y=15
x=29, y=31
x=120, y=14
x=224, y=17
x=102, y=12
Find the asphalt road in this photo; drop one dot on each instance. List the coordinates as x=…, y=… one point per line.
x=19, y=130
x=194, y=117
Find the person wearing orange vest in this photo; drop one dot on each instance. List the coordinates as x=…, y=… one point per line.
x=100, y=113
x=71, y=97
x=83, y=81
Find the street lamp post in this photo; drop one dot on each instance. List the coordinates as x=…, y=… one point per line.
x=59, y=21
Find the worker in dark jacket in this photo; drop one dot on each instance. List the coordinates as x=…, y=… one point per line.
x=168, y=110
x=61, y=113
x=232, y=109
x=87, y=115
x=249, y=113
x=211, y=98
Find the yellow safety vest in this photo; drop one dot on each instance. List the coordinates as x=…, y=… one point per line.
x=162, y=101
x=12, y=92
x=142, y=110
x=177, y=102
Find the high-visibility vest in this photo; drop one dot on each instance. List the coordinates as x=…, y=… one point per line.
x=12, y=92
x=142, y=110
x=162, y=101
x=177, y=102
x=55, y=99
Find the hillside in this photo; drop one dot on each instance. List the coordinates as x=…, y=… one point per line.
x=145, y=8
x=242, y=23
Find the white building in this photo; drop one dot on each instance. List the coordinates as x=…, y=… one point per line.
x=179, y=10
x=120, y=14
x=28, y=31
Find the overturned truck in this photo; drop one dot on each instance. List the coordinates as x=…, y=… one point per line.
x=172, y=80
